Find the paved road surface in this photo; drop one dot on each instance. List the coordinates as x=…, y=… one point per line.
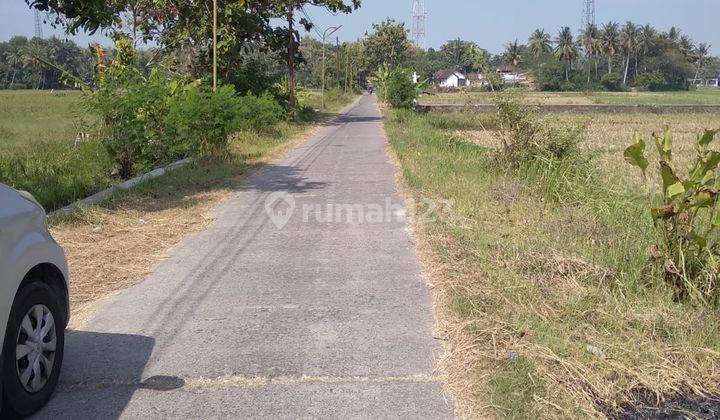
x=319, y=318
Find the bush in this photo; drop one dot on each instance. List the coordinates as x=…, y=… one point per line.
x=550, y=75
x=525, y=137
x=568, y=87
x=161, y=118
x=613, y=82
x=650, y=81
x=688, y=218
x=401, y=91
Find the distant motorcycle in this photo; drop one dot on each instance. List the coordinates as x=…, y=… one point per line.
x=370, y=90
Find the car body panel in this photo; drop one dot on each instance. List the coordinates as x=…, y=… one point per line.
x=24, y=244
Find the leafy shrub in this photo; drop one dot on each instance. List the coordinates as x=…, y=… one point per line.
x=401, y=91
x=650, y=81
x=526, y=137
x=613, y=82
x=688, y=218
x=258, y=112
x=153, y=120
x=198, y=122
x=568, y=87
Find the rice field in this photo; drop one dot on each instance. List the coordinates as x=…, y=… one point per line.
x=707, y=96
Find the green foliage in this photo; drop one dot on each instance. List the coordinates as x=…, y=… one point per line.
x=388, y=43
x=650, y=81
x=688, y=217
x=401, y=91
x=613, y=82
x=568, y=86
x=525, y=137
x=550, y=75
x=161, y=118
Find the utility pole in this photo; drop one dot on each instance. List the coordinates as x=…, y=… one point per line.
x=332, y=30
x=337, y=59
x=291, y=61
x=214, y=45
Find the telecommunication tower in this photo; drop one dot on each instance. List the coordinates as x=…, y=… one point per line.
x=418, y=32
x=38, y=24
x=588, y=15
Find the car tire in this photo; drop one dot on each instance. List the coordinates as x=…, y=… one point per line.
x=18, y=397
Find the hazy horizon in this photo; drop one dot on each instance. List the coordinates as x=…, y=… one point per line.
x=469, y=21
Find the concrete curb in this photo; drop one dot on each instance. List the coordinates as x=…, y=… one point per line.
x=124, y=186
x=575, y=108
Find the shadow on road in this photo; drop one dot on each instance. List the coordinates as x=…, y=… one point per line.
x=100, y=374
x=284, y=178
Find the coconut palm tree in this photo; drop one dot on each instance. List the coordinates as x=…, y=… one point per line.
x=646, y=38
x=610, y=42
x=566, y=49
x=16, y=59
x=701, y=52
x=672, y=35
x=590, y=41
x=513, y=53
x=629, y=44
x=540, y=43
x=687, y=46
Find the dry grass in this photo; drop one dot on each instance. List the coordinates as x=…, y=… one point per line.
x=540, y=303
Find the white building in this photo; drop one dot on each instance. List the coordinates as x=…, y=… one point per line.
x=450, y=79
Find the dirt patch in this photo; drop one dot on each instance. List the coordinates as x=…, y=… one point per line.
x=699, y=407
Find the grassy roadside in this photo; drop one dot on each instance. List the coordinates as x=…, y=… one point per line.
x=113, y=245
x=693, y=97
x=540, y=293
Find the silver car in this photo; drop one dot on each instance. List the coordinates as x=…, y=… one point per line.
x=34, y=304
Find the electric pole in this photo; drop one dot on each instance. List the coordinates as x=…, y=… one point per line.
x=332, y=30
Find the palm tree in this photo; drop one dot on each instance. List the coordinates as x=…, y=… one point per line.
x=673, y=35
x=629, y=43
x=610, y=43
x=590, y=41
x=701, y=52
x=513, y=53
x=15, y=59
x=646, y=38
x=540, y=43
x=687, y=46
x=566, y=49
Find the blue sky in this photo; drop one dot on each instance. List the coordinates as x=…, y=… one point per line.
x=489, y=23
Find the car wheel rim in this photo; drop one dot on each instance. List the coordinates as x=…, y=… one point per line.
x=35, y=348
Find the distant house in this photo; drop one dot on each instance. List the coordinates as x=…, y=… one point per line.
x=510, y=75
x=450, y=79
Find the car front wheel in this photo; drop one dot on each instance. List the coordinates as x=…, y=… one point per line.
x=33, y=352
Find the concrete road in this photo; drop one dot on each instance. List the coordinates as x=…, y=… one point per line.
x=303, y=299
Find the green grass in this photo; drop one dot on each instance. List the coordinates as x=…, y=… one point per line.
x=543, y=260
x=694, y=97
x=38, y=150
x=39, y=154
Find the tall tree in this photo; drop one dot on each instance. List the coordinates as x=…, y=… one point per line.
x=566, y=49
x=387, y=43
x=590, y=41
x=540, y=43
x=701, y=53
x=610, y=42
x=646, y=38
x=513, y=53
x=629, y=44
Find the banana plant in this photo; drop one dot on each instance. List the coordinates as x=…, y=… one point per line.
x=689, y=215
